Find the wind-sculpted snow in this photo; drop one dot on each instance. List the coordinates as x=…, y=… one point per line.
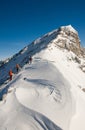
x=22, y=118
x=44, y=84
x=37, y=99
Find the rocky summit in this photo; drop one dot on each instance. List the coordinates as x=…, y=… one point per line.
x=67, y=38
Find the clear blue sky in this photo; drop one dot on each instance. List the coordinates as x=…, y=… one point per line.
x=22, y=21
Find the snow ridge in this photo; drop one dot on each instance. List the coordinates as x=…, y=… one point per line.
x=46, y=94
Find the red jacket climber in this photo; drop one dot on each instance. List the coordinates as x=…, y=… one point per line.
x=10, y=74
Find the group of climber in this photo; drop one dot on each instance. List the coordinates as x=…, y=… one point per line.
x=17, y=68
x=11, y=73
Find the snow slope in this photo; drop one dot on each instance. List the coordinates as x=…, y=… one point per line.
x=71, y=71
x=40, y=88
x=45, y=95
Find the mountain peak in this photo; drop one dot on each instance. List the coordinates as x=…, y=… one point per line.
x=68, y=28
x=67, y=38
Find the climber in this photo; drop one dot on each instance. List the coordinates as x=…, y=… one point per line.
x=10, y=74
x=17, y=67
x=30, y=59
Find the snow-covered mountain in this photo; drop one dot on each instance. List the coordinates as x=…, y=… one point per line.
x=49, y=93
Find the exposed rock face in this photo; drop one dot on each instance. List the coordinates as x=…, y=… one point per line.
x=83, y=51
x=68, y=38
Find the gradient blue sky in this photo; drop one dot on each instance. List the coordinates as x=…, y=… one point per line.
x=22, y=21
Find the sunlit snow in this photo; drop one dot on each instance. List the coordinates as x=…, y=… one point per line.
x=44, y=95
